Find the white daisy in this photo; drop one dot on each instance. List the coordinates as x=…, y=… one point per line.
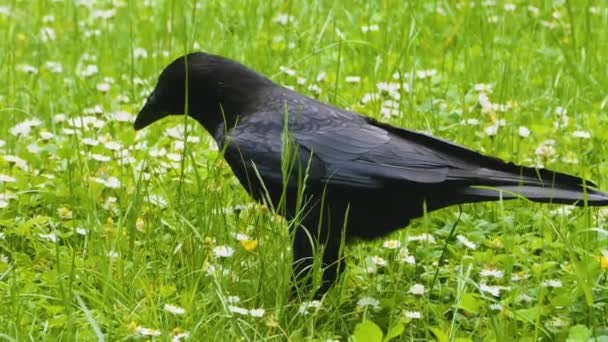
x=7, y=179
x=28, y=69
x=50, y=236
x=112, y=145
x=147, y=331
x=483, y=87
x=424, y=237
x=525, y=298
x=99, y=157
x=238, y=310
x=491, y=130
x=491, y=273
x=352, y=79
x=509, y=7
x=533, y=10
x=307, y=306
x=466, y=242
x=180, y=336
x=491, y=289
x=422, y=74
x=242, y=237
x=287, y=71
x=58, y=118
x=122, y=116
x=369, y=97
x=233, y=299
x=553, y=283
x=321, y=76
x=496, y=307
x=391, y=244
x=223, y=251
x=18, y=162
x=417, y=290
x=139, y=53
x=408, y=259
x=368, y=301
x=44, y=135
x=174, y=309
x=376, y=260
x=370, y=28
x=581, y=134
x=257, y=312
x=413, y=314
x=315, y=89
x=103, y=87
x=284, y=19
x=546, y=149
x=89, y=70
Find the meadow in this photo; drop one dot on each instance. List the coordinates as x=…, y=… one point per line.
x=107, y=234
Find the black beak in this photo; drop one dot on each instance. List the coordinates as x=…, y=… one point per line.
x=148, y=114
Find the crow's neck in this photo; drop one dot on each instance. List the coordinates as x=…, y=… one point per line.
x=232, y=97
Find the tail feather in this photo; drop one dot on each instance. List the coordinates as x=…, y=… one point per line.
x=523, y=176
x=539, y=185
x=474, y=177
x=579, y=197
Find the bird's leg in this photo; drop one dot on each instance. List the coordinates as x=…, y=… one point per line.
x=304, y=246
x=333, y=266
x=302, y=264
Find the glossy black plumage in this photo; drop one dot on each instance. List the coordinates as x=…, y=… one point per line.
x=363, y=178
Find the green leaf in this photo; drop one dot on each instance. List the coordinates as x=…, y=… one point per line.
x=586, y=277
x=25, y=229
x=394, y=331
x=562, y=299
x=439, y=334
x=167, y=290
x=579, y=333
x=528, y=315
x=367, y=331
x=469, y=303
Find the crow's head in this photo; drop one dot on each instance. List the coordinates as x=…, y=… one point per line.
x=209, y=88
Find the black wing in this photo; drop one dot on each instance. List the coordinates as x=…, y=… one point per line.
x=359, y=151
x=253, y=149
x=343, y=148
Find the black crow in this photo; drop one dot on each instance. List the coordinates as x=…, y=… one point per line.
x=342, y=175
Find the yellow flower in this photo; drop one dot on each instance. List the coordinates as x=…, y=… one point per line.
x=139, y=224
x=249, y=245
x=132, y=327
x=65, y=213
x=271, y=321
x=496, y=243
x=209, y=242
x=603, y=260
x=264, y=208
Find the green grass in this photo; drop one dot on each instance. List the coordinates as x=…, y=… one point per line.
x=101, y=227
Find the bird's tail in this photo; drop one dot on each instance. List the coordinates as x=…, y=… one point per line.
x=536, y=185
x=535, y=193
x=473, y=177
